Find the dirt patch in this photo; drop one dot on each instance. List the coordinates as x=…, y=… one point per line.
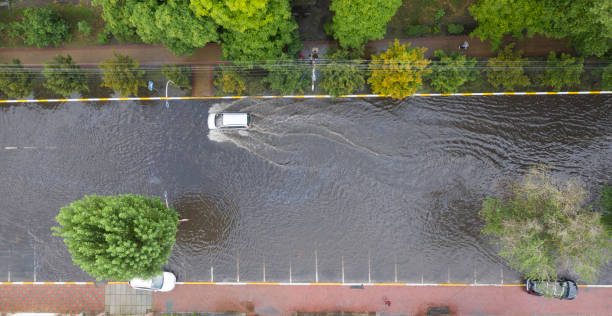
x=311, y=17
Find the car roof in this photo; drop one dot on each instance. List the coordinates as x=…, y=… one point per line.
x=235, y=119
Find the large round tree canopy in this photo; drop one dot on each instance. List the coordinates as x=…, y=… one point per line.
x=118, y=237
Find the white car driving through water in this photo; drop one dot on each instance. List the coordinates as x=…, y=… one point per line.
x=164, y=282
x=229, y=121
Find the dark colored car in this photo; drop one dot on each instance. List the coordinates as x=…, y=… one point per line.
x=563, y=289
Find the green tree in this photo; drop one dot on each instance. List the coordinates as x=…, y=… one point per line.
x=399, y=71
x=179, y=74
x=84, y=28
x=452, y=71
x=340, y=75
x=289, y=77
x=606, y=204
x=356, y=22
x=506, y=70
x=562, y=72
x=543, y=227
x=118, y=237
x=42, y=27
x=606, y=78
x=169, y=22
x=122, y=75
x=236, y=15
x=230, y=82
x=15, y=80
x=64, y=77
x=587, y=23
x=274, y=40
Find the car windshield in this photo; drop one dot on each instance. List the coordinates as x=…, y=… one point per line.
x=219, y=120
x=157, y=282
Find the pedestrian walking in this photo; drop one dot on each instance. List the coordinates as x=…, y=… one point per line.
x=464, y=46
x=386, y=301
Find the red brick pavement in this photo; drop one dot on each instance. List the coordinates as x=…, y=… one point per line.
x=64, y=298
x=411, y=300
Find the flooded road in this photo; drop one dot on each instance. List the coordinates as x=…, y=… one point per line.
x=319, y=190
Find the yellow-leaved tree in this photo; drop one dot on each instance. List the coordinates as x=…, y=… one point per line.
x=399, y=71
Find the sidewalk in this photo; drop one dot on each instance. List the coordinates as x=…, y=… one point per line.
x=410, y=300
x=56, y=298
x=534, y=46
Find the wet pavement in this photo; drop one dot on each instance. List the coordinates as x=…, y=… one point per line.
x=319, y=190
x=407, y=300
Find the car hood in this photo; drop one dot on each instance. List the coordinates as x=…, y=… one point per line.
x=169, y=282
x=211, y=121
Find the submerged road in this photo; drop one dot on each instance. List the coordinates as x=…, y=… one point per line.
x=353, y=190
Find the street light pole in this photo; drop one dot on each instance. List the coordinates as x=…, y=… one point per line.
x=167, y=103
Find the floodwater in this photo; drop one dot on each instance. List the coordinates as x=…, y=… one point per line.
x=352, y=190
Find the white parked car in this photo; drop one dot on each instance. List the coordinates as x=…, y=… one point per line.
x=229, y=121
x=164, y=282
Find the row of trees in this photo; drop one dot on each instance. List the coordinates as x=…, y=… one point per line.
x=64, y=77
x=587, y=23
x=401, y=70
x=544, y=227
x=250, y=30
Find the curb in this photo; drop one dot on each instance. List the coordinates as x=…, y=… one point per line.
x=310, y=284
x=316, y=96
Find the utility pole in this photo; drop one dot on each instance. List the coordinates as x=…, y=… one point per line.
x=167, y=103
x=313, y=57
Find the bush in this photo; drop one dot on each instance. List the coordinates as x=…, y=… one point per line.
x=455, y=28
x=506, y=70
x=118, y=237
x=544, y=228
x=606, y=78
x=289, y=78
x=398, y=72
x=562, y=72
x=84, y=28
x=122, y=75
x=179, y=74
x=341, y=77
x=42, y=27
x=606, y=204
x=230, y=82
x=417, y=30
x=452, y=71
x=64, y=77
x=104, y=37
x=15, y=80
